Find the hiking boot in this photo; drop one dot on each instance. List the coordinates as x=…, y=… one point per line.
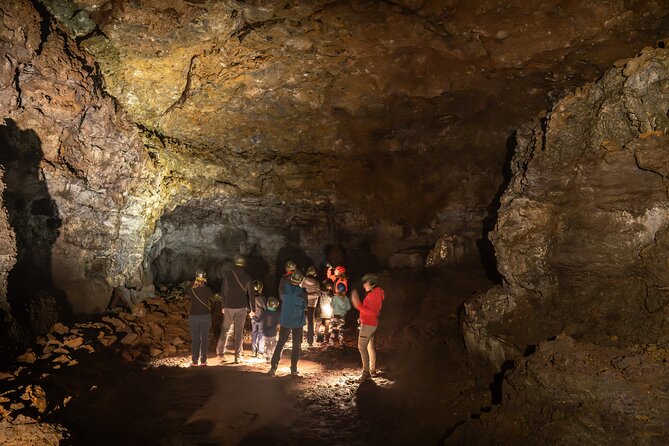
x=272, y=371
x=364, y=376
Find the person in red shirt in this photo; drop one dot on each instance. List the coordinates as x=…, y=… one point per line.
x=369, y=309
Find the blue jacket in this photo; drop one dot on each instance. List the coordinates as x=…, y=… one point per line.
x=293, y=306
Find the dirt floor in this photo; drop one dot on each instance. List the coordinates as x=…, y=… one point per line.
x=423, y=392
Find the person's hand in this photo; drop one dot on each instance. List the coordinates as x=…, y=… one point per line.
x=222, y=310
x=355, y=299
x=252, y=314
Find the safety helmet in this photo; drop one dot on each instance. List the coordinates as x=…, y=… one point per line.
x=371, y=279
x=341, y=288
x=290, y=266
x=200, y=275
x=273, y=303
x=258, y=286
x=297, y=277
x=339, y=270
x=311, y=271
x=326, y=285
x=240, y=260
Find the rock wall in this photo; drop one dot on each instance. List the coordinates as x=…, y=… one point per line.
x=582, y=226
x=93, y=184
x=582, y=244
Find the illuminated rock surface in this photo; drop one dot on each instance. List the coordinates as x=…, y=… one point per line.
x=144, y=139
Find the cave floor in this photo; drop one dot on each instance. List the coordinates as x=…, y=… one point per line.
x=172, y=403
x=423, y=393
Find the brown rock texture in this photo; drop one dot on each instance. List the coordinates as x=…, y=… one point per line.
x=573, y=393
x=581, y=241
x=388, y=112
x=76, y=170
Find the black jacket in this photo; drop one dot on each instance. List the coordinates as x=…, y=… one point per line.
x=236, y=290
x=200, y=299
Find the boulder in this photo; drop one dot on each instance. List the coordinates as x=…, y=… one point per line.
x=406, y=259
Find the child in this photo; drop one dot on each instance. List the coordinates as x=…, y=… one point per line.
x=340, y=306
x=338, y=275
x=268, y=324
x=257, y=338
x=325, y=307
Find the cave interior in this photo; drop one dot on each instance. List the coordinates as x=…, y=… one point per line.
x=503, y=167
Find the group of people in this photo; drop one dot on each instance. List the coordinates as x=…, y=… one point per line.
x=302, y=301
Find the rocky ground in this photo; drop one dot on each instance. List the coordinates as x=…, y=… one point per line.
x=125, y=379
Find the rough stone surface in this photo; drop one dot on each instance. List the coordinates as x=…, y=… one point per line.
x=386, y=120
x=264, y=92
x=77, y=161
x=582, y=244
x=573, y=393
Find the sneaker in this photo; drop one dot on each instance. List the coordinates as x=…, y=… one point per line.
x=294, y=373
x=267, y=360
x=238, y=359
x=203, y=364
x=364, y=376
x=272, y=371
x=193, y=364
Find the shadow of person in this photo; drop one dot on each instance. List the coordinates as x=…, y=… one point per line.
x=257, y=266
x=291, y=251
x=32, y=300
x=362, y=261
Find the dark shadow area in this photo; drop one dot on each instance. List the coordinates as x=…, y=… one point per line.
x=498, y=380
x=33, y=215
x=485, y=247
x=276, y=435
x=363, y=261
x=119, y=404
x=257, y=266
x=335, y=255
x=292, y=251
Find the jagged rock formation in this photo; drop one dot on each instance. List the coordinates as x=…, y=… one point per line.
x=81, y=191
x=582, y=244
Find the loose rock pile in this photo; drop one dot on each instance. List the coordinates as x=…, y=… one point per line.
x=35, y=391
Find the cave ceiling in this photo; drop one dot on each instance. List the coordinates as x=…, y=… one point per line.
x=406, y=105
